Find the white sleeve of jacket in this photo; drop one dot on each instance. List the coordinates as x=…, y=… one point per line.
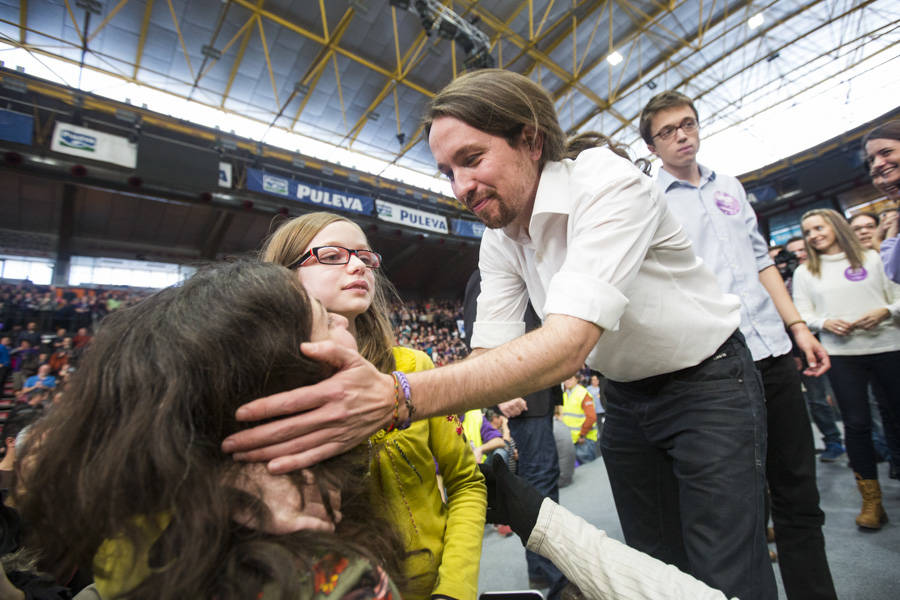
x=604, y=568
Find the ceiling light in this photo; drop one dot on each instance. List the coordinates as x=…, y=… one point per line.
x=614, y=58
x=755, y=21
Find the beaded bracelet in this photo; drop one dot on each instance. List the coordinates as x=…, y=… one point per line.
x=396, y=416
x=401, y=383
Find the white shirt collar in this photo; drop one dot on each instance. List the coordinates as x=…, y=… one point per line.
x=551, y=198
x=667, y=180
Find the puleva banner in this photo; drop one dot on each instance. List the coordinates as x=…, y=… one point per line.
x=403, y=215
x=326, y=198
x=94, y=145
x=467, y=228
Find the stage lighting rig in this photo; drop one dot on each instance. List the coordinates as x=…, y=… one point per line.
x=436, y=17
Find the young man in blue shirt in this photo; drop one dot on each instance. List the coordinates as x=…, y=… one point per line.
x=715, y=213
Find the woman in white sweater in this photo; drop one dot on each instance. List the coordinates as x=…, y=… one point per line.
x=842, y=292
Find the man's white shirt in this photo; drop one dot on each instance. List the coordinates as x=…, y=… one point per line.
x=602, y=246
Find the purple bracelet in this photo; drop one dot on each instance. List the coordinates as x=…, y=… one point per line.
x=407, y=393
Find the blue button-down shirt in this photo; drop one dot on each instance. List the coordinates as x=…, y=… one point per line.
x=723, y=229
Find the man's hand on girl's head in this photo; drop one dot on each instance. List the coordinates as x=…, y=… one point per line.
x=318, y=421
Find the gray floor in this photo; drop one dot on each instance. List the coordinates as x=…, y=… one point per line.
x=865, y=566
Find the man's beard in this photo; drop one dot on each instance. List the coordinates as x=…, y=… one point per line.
x=503, y=217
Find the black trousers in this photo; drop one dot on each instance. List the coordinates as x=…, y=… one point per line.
x=850, y=377
x=685, y=454
x=791, y=474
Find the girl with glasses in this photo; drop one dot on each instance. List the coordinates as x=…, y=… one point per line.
x=842, y=291
x=333, y=260
x=125, y=478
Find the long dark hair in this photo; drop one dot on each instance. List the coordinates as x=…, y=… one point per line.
x=137, y=439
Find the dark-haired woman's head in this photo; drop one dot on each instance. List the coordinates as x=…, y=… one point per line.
x=138, y=438
x=881, y=148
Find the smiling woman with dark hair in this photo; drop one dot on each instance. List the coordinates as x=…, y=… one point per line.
x=126, y=476
x=881, y=147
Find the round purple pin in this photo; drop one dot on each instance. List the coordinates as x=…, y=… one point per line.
x=856, y=274
x=727, y=203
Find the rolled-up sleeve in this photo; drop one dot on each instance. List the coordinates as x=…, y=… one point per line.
x=609, y=235
x=760, y=247
x=588, y=298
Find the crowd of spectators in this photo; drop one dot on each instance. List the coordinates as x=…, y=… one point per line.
x=55, y=308
x=432, y=326
x=43, y=332
x=40, y=326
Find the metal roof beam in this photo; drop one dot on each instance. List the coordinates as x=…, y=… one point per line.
x=315, y=70
x=142, y=38
x=187, y=57
x=686, y=80
x=321, y=40
x=23, y=20
x=806, y=89
x=864, y=37
x=410, y=59
x=239, y=58
x=107, y=19
x=663, y=58
x=498, y=25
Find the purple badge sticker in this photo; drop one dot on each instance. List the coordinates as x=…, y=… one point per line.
x=856, y=274
x=727, y=203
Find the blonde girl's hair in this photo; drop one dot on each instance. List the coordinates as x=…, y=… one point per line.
x=373, y=329
x=843, y=235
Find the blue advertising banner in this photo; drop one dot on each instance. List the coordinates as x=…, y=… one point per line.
x=467, y=228
x=326, y=198
x=411, y=217
x=16, y=127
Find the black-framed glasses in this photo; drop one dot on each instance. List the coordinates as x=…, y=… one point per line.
x=338, y=255
x=687, y=125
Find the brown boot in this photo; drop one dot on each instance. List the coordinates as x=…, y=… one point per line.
x=872, y=515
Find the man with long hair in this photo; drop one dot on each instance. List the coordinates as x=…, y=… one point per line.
x=588, y=239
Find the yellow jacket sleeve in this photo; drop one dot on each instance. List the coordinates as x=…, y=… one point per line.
x=457, y=575
x=467, y=503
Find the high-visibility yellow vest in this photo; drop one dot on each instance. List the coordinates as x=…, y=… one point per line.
x=573, y=414
x=472, y=428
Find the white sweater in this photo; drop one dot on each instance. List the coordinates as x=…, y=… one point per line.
x=841, y=293
x=606, y=569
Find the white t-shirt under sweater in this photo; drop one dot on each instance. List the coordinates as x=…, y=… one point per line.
x=845, y=293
